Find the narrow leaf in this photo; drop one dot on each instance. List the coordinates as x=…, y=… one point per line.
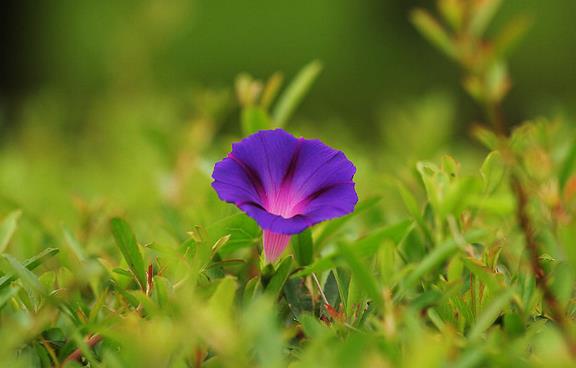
x=277, y=281
x=333, y=226
x=7, y=229
x=30, y=264
x=303, y=248
x=295, y=92
x=11, y=266
x=361, y=272
x=126, y=241
x=433, y=31
x=483, y=14
x=491, y=313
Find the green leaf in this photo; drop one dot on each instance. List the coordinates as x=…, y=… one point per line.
x=243, y=231
x=485, y=136
x=438, y=255
x=562, y=282
x=482, y=14
x=74, y=246
x=277, y=281
x=271, y=90
x=361, y=272
x=433, y=31
x=455, y=269
x=7, y=229
x=368, y=245
x=452, y=11
x=312, y=328
x=458, y=195
x=220, y=243
x=303, y=248
x=123, y=272
x=409, y=201
x=450, y=166
x=131, y=299
x=492, y=171
x=487, y=276
x=333, y=226
x=319, y=266
x=435, y=182
x=491, y=313
x=222, y=301
x=252, y=289
x=7, y=294
x=11, y=266
x=30, y=264
x=331, y=290
x=297, y=296
x=295, y=92
x=126, y=241
x=514, y=325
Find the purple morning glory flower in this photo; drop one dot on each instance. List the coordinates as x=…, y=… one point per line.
x=286, y=184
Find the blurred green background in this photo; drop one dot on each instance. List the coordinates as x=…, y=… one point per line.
x=96, y=98
x=372, y=55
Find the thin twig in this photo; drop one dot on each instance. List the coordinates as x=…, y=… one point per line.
x=324, y=299
x=550, y=299
x=77, y=354
x=149, y=279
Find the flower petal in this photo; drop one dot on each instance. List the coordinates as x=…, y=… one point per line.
x=284, y=183
x=267, y=154
x=234, y=184
x=276, y=223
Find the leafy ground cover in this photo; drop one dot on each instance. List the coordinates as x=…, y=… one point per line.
x=115, y=250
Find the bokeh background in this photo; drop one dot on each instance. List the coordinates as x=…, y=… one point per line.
x=373, y=57
x=103, y=97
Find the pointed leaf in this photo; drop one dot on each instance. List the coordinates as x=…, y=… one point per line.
x=126, y=241
x=303, y=248
x=10, y=265
x=295, y=92
x=433, y=31
x=279, y=278
x=30, y=264
x=491, y=313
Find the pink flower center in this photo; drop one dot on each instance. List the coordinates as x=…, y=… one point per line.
x=285, y=203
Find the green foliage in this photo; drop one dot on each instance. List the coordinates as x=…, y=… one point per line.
x=431, y=269
x=129, y=247
x=446, y=281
